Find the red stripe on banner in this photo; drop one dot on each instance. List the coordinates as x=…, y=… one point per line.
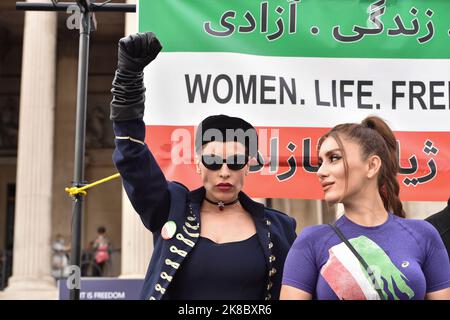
x=424, y=161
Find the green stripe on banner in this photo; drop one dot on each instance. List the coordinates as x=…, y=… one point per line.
x=310, y=28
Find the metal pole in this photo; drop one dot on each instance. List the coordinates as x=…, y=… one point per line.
x=80, y=134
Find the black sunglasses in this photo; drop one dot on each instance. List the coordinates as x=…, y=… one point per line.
x=234, y=162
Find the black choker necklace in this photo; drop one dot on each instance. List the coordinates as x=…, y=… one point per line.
x=222, y=204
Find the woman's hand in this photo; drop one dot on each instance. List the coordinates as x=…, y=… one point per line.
x=135, y=52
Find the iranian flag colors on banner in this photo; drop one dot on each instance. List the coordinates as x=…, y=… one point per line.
x=294, y=69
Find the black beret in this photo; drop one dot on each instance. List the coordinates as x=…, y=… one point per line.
x=224, y=128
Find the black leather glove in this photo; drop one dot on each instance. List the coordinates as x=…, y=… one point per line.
x=135, y=52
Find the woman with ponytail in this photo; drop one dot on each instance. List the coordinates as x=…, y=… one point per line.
x=372, y=252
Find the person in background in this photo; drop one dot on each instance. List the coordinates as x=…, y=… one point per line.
x=60, y=259
x=102, y=252
x=441, y=221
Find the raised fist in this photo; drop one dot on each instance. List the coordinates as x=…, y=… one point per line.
x=137, y=50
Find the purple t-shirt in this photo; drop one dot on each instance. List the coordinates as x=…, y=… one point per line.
x=407, y=256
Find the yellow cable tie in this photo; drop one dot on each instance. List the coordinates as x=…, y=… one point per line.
x=73, y=191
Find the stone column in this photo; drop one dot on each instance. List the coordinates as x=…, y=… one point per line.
x=31, y=277
x=306, y=212
x=422, y=209
x=137, y=241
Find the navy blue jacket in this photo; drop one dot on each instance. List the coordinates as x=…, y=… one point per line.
x=157, y=201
